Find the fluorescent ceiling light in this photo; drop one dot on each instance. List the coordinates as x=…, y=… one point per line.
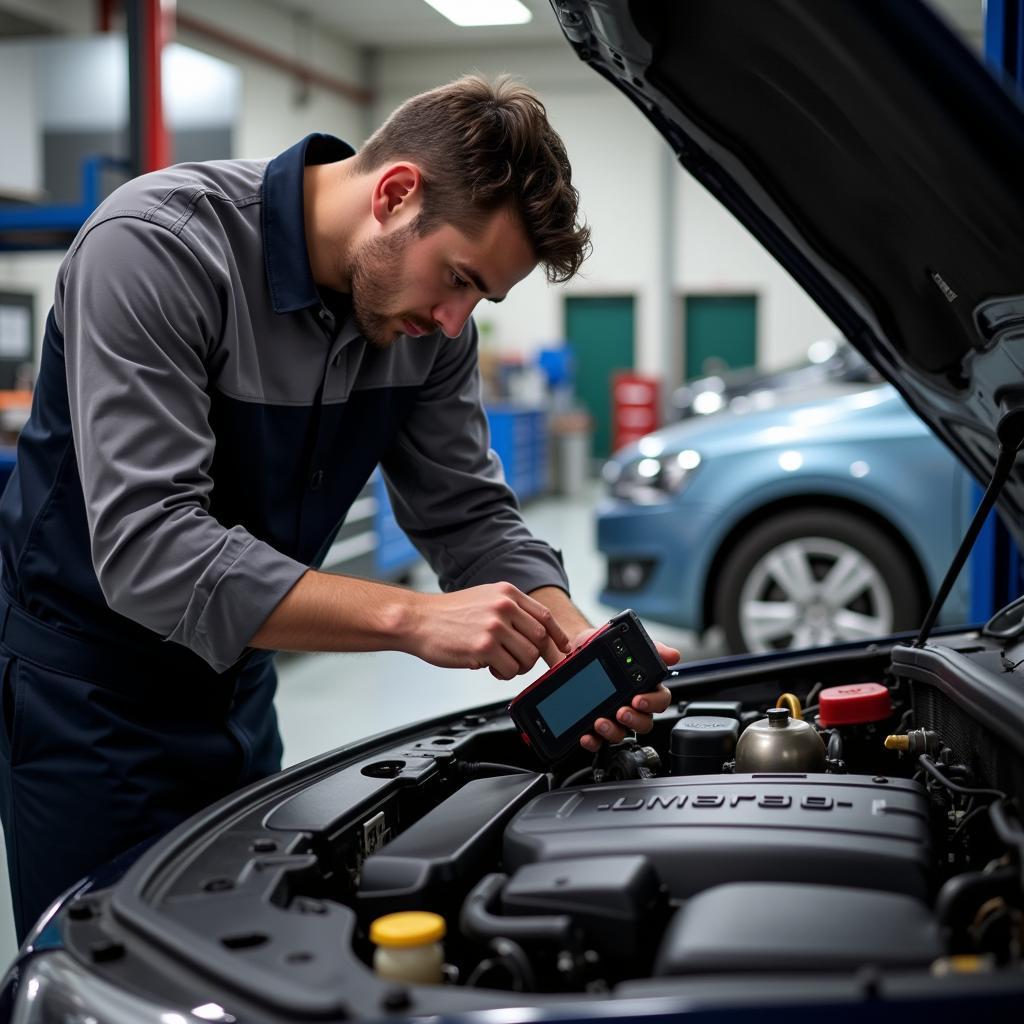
x=483, y=12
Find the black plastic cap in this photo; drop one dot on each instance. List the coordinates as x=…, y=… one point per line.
x=713, y=709
x=700, y=744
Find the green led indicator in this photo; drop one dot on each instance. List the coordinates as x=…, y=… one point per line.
x=629, y=660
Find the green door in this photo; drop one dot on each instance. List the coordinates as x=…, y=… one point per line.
x=599, y=332
x=721, y=333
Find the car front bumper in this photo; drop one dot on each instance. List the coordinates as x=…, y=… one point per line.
x=659, y=557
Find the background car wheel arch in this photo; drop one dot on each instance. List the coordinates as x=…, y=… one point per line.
x=814, y=506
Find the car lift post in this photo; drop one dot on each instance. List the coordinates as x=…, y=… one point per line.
x=995, y=564
x=148, y=25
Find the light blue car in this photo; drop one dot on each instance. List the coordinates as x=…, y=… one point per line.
x=824, y=518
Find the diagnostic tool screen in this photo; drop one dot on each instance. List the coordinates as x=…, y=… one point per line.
x=571, y=700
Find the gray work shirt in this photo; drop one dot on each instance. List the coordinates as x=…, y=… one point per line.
x=204, y=419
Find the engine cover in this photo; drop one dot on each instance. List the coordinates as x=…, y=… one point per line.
x=843, y=829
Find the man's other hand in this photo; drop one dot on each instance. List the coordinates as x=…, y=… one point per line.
x=494, y=626
x=639, y=715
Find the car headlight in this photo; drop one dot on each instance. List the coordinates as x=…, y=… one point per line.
x=650, y=479
x=55, y=988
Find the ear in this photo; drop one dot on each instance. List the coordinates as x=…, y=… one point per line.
x=397, y=194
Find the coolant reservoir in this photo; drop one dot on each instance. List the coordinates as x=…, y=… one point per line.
x=780, y=743
x=409, y=947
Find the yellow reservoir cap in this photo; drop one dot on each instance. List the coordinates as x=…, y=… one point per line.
x=406, y=929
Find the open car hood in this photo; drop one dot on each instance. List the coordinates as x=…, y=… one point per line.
x=874, y=156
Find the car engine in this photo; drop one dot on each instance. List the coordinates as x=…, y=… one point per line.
x=840, y=823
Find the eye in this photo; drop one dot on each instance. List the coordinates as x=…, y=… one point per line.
x=459, y=282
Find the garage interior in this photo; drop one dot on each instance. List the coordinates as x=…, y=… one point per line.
x=246, y=79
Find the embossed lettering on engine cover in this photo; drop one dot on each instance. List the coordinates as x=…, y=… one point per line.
x=712, y=829
x=679, y=800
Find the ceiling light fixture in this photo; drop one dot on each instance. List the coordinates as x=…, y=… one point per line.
x=474, y=12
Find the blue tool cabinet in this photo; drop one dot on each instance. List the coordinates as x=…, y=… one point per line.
x=519, y=436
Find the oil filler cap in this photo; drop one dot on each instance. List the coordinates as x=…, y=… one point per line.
x=853, y=704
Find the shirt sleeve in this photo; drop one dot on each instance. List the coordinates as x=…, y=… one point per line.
x=448, y=489
x=140, y=318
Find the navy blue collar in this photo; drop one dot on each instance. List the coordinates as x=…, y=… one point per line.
x=284, y=230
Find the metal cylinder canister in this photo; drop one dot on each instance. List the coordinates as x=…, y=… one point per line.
x=780, y=743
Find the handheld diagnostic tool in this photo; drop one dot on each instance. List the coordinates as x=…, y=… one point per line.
x=592, y=681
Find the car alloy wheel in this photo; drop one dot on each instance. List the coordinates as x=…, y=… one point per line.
x=814, y=577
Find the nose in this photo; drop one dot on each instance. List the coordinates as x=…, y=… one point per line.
x=452, y=314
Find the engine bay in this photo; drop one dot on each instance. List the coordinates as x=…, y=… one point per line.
x=828, y=822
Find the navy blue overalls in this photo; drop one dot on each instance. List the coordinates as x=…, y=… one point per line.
x=111, y=735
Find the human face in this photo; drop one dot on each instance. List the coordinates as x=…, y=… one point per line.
x=407, y=284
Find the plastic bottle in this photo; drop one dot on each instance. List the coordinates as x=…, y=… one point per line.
x=409, y=947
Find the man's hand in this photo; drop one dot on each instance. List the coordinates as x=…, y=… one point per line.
x=495, y=626
x=639, y=716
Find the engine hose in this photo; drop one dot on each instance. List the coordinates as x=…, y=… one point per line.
x=835, y=745
x=960, y=897
x=510, y=957
x=969, y=817
x=1009, y=832
x=791, y=701
x=478, y=920
x=936, y=773
x=512, y=954
x=584, y=774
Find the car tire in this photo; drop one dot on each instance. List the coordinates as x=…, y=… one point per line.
x=812, y=577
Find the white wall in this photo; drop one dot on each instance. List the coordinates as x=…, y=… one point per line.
x=716, y=254
x=20, y=156
x=274, y=113
x=618, y=167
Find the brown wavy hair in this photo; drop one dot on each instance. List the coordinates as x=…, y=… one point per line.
x=482, y=147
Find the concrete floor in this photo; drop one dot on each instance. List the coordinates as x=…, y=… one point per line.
x=327, y=700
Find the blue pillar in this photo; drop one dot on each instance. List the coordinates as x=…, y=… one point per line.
x=1004, y=41
x=995, y=561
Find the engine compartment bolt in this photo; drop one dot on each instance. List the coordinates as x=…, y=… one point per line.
x=396, y=999
x=870, y=981
x=105, y=952
x=81, y=910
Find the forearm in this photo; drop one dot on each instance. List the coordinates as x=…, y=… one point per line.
x=328, y=612
x=494, y=626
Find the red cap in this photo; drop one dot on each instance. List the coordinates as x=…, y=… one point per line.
x=853, y=704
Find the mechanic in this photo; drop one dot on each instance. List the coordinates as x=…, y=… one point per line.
x=233, y=347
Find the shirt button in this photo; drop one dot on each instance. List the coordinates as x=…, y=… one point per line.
x=316, y=480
